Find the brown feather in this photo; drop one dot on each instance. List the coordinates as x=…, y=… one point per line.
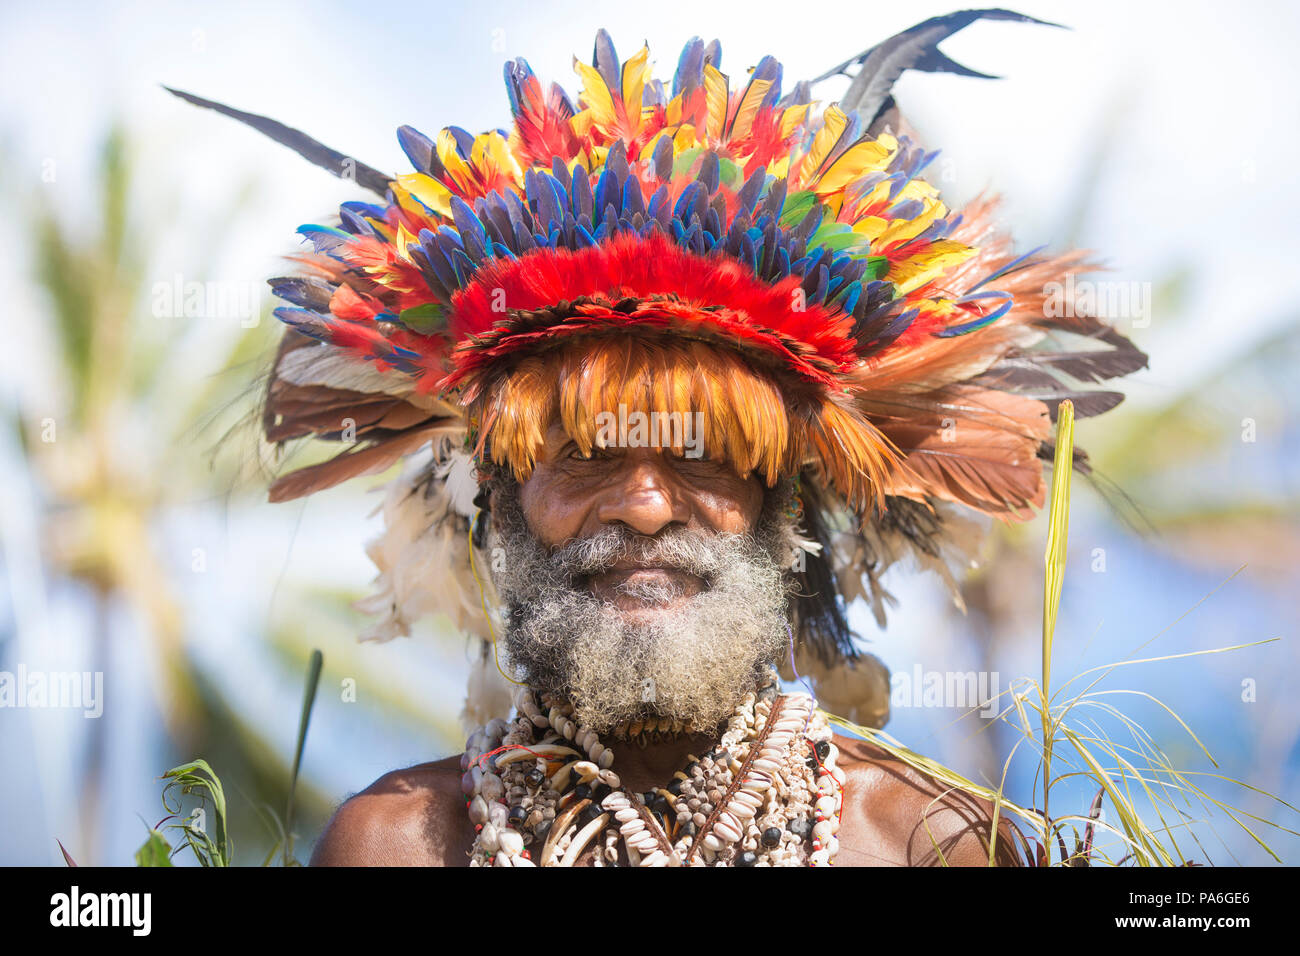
x=966, y=444
x=353, y=464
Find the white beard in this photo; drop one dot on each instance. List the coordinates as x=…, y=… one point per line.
x=691, y=662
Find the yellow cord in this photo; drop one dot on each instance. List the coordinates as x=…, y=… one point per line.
x=482, y=596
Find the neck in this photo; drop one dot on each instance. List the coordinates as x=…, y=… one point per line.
x=652, y=765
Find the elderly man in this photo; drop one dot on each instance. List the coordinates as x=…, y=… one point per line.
x=637, y=568
x=677, y=373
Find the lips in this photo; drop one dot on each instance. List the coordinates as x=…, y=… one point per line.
x=622, y=573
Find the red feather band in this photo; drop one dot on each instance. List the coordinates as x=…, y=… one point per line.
x=650, y=283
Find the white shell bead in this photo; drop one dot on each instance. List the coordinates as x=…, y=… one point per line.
x=610, y=779
x=478, y=810
x=511, y=841
x=730, y=834
x=491, y=787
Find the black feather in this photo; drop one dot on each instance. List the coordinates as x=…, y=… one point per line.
x=315, y=152
x=913, y=49
x=1090, y=365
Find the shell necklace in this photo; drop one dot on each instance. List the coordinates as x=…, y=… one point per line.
x=541, y=790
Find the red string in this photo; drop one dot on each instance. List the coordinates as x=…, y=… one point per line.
x=822, y=766
x=503, y=749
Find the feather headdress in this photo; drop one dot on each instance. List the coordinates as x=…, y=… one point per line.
x=728, y=245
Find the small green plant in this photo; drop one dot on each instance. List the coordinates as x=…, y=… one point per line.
x=203, y=829
x=1126, y=775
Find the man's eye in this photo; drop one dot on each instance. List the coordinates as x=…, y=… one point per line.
x=576, y=454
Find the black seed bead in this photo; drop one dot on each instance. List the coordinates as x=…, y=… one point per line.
x=748, y=858
x=590, y=812
x=582, y=791
x=823, y=749
x=648, y=798
x=675, y=788
x=600, y=793
x=689, y=828
x=660, y=805
x=516, y=816
x=542, y=829
x=534, y=777
x=772, y=837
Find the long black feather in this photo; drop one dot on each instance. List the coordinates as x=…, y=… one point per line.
x=340, y=164
x=913, y=49
x=1087, y=365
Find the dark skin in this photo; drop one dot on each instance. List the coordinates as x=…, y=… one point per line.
x=893, y=815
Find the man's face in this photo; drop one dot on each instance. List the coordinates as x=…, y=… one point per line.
x=641, y=584
x=645, y=490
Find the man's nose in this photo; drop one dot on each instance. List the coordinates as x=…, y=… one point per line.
x=644, y=496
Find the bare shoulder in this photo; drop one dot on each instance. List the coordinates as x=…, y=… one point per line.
x=895, y=815
x=411, y=817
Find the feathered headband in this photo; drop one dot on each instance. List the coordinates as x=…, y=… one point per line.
x=843, y=324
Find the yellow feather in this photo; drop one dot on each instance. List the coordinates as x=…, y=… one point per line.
x=793, y=118
x=715, y=97
x=940, y=256
x=635, y=72
x=673, y=111
x=871, y=226
x=580, y=123
x=685, y=138
x=595, y=94
x=903, y=229
x=833, y=123
x=851, y=164
x=491, y=153
x=449, y=156
x=404, y=238
x=430, y=193
x=748, y=108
